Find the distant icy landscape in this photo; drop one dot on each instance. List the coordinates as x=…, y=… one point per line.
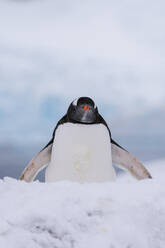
x=122, y=214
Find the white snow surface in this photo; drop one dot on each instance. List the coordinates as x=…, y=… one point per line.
x=122, y=214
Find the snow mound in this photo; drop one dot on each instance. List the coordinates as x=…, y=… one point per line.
x=121, y=214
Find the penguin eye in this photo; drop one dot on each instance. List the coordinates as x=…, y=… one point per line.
x=74, y=110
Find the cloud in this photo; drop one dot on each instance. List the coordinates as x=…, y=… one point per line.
x=51, y=52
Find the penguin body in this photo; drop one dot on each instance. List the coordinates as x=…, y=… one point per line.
x=81, y=153
x=82, y=149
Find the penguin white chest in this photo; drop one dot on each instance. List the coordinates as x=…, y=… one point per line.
x=81, y=153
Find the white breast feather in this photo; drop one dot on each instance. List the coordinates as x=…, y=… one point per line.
x=81, y=153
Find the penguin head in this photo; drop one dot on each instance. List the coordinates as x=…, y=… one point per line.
x=83, y=110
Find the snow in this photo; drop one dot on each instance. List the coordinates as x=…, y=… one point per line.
x=122, y=214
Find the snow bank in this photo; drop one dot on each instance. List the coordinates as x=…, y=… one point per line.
x=122, y=214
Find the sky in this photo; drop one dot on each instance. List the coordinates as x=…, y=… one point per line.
x=52, y=52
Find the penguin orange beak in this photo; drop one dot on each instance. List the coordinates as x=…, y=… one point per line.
x=86, y=107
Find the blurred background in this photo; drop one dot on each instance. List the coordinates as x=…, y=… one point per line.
x=52, y=52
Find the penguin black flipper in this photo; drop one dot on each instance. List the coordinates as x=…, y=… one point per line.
x=63, y=120
x=127, y=161
x=39, y=162
x=42, y=159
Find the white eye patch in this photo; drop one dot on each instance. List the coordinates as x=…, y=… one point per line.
x=75, y=102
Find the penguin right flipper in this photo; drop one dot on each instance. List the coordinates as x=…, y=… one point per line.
x=37, y=163
x=41, y=160
x=127, y=161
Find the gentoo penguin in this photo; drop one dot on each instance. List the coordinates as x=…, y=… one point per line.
x=82, y=149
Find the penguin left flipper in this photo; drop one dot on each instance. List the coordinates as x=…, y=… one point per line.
x=37, y=163
x=127, y=161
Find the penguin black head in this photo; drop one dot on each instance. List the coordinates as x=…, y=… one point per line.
x=83, y=110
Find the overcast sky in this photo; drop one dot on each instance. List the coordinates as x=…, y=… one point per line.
x=54, y=51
